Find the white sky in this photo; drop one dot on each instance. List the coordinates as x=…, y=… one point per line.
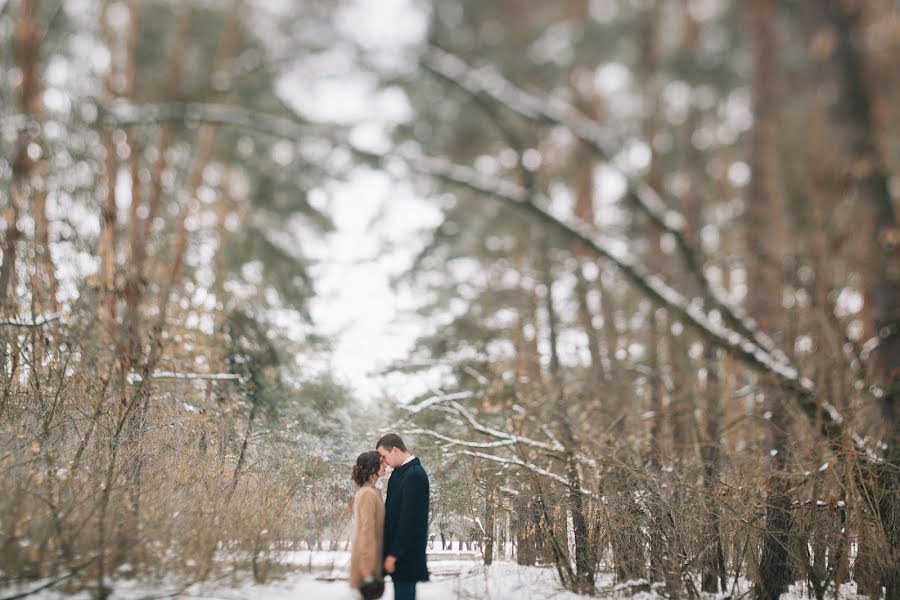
x=372, y=324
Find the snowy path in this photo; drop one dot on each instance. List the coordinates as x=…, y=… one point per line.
x=322, y=575
x=472, y=581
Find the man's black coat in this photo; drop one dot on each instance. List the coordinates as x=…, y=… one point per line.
x=406, y=521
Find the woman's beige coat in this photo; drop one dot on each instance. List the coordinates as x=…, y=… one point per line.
x=368, y=534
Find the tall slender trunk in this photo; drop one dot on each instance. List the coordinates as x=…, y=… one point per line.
x=854, y=115
x=655, y=458
x=8, y=293
x=8, y=268
x=106, y=247
x=29, y=168
x=584, y=562
x=627, y=524
x=627, y=537
x=712, y=555
x=44, y=284
x=526, y=518
x=600, y=383
x=527, y=513
x=665, y=559
x=206, y=137
x=766, y=240
x=28, y=190
x=584, y=210
x=586, y=318
x=775, y=569
x=489, y=525
x=141, y=229
x=710, y=392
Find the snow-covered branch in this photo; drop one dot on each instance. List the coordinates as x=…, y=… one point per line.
x=459, y=442
x=38, y=321
x=503, y=438
x=487, y=82
x=121, y=114
x=436, y=399
x=502, y=435
x=707, y=325
x=525, y=465
x=207, y=376
x=135, y=377
x=476, y=375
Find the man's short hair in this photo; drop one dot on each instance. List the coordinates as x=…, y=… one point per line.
x=389, y=441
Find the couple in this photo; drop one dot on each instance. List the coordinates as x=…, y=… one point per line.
x=389, y=536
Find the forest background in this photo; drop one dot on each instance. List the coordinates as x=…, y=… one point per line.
x=625, y=273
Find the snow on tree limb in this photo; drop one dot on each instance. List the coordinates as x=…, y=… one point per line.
x=708, y=326
x=436, y=399
x=490, y=431
x=135, y=377
x=459, y=442
x=206, y=376
x=503, y=438
x=38, y=321
x=481, y=82
x=526, y=465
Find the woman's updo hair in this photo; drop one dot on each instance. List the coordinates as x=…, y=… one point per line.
x=367, y=464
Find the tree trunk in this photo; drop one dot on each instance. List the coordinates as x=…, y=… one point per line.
x=708, y=433
x=712, y=556
x=775, y=566
x=28, y=180
x=106, y=247
x=665, y=557
x=8, y=268
x=766, y=239
x=44, y=284
x=869, y=179
x=489, y=527
x=526, y=520
x=625, y=535
x=659, y=549
x=593, y=339
x=626, y=530
x=29, y=168
x=584, y=564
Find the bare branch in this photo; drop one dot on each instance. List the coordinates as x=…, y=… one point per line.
x=458, y=442
x=708, y=325
x=513, y=438
x=39, y=321
x=484, y=83
x=205, y=376
x=436, y=399
x=533, y=468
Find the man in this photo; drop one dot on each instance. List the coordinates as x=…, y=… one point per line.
x=405, y=517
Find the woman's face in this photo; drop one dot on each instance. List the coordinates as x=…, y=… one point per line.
x=381, y=468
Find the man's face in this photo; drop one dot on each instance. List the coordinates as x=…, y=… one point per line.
x=392, y=458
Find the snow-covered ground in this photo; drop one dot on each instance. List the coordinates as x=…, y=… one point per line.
x=322, y=575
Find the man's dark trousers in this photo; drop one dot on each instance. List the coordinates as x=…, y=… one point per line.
x=404, y=590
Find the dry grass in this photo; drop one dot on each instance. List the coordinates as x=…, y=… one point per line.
x=177, y=508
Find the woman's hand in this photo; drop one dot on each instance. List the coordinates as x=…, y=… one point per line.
x=390, y=563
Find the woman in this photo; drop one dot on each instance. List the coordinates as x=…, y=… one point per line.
x=368, y=530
